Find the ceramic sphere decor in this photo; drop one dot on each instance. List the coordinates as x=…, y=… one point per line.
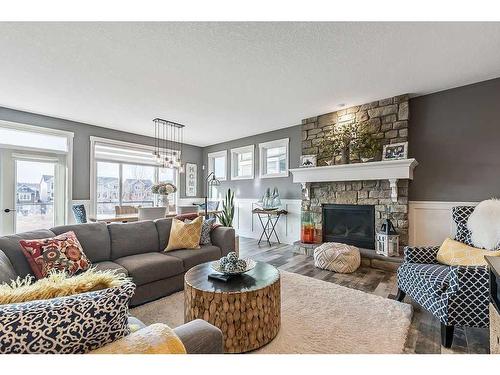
x=247, y=308
x=231, y=265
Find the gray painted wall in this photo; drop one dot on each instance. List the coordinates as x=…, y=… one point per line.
x=455, y=137
x=255, y=188
x=81, y=146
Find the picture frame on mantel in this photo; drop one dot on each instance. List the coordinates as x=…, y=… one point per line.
x=191, y=179
x=395, y=151
x=307, y=161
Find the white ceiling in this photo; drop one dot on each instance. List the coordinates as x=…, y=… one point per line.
x=230, y=80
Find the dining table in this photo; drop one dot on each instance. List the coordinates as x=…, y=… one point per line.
x=125, y=218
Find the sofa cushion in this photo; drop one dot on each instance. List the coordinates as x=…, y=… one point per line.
x=93, y=237
x=7, y=272
x=163, y=227
x=11, y=247
x=62, y=253
x=133, y=238
x=149, y=267
x=191, y=258
x=109, y=265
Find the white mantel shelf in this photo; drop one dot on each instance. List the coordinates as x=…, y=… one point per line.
x=392, y=170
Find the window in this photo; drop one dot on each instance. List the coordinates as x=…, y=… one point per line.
x=217, y=164
x=24, y=196
x=242, y=163
x=274, y=158
x=26, y=138
x=124, y=176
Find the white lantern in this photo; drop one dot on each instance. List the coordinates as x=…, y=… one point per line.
x=387, y=244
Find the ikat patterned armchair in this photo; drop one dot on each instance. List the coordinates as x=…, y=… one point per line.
x=456, y=295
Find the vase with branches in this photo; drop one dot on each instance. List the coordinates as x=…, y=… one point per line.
x=339, y=141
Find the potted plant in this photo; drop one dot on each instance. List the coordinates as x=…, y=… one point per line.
x=367, y=147
x=227, y=215
x=162, y=190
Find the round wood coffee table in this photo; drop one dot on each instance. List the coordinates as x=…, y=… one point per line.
x=247, y=308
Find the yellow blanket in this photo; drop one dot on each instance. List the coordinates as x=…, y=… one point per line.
x=154, y=339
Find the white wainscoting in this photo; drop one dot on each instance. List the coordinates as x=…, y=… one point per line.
x=431, y=222
x=247, y=225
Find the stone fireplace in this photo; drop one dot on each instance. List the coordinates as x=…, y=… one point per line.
x=380, y=185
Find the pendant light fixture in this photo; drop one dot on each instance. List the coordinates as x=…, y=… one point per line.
x=169, y=137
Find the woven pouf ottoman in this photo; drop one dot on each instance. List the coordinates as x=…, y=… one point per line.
x=337, y=257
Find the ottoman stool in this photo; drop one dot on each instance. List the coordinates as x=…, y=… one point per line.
x=337, y=257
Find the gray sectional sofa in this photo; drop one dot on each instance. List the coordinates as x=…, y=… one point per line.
x=135, y=249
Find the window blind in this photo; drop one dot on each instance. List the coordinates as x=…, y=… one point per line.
x=125, y=154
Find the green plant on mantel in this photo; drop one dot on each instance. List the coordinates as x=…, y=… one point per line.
x=367, y=146
x=339, y=141
x=227, y=214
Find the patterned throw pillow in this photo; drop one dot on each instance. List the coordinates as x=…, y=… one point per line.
x=61, y=253
x=185, y=235
x=66, y=325
x=206, y=228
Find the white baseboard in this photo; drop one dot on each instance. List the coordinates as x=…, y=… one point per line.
x=431, y=222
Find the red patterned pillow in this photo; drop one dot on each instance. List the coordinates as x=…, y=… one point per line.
x=61, y=253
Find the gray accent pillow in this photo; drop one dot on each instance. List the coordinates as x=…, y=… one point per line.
x=206, y=228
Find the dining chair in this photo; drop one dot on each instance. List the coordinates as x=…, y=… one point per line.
x=124, y=210
x=181, y=210
x=151, y=213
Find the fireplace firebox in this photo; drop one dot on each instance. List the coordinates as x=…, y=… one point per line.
x=349, y=224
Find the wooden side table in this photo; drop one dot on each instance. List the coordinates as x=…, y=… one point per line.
x=247, y=308
x=270, y=218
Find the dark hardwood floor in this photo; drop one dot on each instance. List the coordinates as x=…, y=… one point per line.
x=424, y=335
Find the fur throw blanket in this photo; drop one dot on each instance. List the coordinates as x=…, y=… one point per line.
x=484, y=224
x=58, y=284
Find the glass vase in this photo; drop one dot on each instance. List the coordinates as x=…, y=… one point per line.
x=307, y=227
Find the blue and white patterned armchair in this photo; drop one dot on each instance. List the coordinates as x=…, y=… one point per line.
x=456, y=295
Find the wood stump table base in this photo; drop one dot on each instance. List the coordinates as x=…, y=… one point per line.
x=248, y=319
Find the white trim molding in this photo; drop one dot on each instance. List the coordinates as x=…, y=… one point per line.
x=234, y=162
x=285, y=142
x=392, y=170
x=430, y=222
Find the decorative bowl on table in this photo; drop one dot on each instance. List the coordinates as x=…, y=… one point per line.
x=231, y=265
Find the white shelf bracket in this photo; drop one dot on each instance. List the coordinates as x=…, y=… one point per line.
x=393, y=183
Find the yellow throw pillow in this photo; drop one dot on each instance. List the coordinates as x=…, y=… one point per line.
x=454, y=253
x=58, y=284
x=185, y=235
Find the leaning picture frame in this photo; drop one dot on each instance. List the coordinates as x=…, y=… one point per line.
x=395, y=151
x=191, y=179
x=307, y=161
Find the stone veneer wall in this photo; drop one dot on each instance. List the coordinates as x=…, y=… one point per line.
x=387, y=119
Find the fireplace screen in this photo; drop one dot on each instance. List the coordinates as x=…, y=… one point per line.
x=349, y=224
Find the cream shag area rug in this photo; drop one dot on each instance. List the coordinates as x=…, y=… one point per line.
x=316, y=317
